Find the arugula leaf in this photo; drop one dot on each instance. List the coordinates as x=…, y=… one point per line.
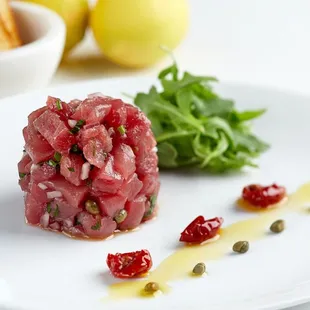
x=167, y=155
x=184, y=99
x=250, y=143
x=246, y=115
x=173, y=70
x=220, y=148
x=196, y=127
x=172, y=86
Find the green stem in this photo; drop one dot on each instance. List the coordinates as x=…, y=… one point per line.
x=170, y=135
x=179, y=115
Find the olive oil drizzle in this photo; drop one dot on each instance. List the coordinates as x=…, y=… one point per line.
x=180, y=264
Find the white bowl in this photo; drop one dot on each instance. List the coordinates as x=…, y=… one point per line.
x=32, y=65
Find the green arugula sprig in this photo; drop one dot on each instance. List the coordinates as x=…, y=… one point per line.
x=194, y=126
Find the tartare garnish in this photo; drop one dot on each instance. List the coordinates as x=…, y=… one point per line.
x=52, y=163
x=152, y=200
x=121, y=129
x=199, y=269
x=58, y=105
x=200, y=230
x=277, y=226
x=97, y=226
x=120, y=216
x=22, y=175
x=92, y=207
x=56, y=211
x=75, y=149
x=48, y=207
x=129, y=265
x=241, y=247
x=263, y=196
x=77, y=127
x=151, y=287
x=57, y=157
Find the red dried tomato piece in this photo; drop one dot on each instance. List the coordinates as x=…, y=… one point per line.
x=129, y=265
x=200, y=230
x=263, y=196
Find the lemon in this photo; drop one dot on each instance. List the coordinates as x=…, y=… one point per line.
x=75, y=15
x=130, y=32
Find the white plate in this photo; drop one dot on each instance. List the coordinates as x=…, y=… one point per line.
x=43, y=271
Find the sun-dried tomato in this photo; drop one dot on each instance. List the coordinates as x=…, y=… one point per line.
x=200, y=230
x=263, y=196
x=129, y=265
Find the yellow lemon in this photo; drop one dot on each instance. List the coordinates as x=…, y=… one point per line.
x=130, y=32
x=75, y=15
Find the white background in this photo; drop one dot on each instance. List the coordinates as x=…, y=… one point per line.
x=263, y=42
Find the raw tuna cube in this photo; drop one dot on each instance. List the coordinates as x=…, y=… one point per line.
x=150, y=184
x=61, y=209
x=54, y=130
x=97, y=132
x=36, y=146
x=148, y=165
x=59, y=107
x=136, y=117
x=38, y=193
x=97, y=227
x=135, y=211
x=124, y=160
x=106, y=180
x=111, y=204
x=73, y=194
x=24, y=183
x=138, y=132
x=117, y=115
x=75, y=103
x=41, y=173
x=71, y=168
x=96, y=143
x=25, y=164
x=92, y=110
x=131, y=187
x=138, y=128
x=35, y=114
x=33, y=209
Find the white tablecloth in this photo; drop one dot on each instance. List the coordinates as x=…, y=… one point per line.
x=265, y=42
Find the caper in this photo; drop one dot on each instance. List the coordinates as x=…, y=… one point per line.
x=199, y=269
x=120, y=216
x=151, y=287
x=277, y=226
x=92, y=207
x=241, y=247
